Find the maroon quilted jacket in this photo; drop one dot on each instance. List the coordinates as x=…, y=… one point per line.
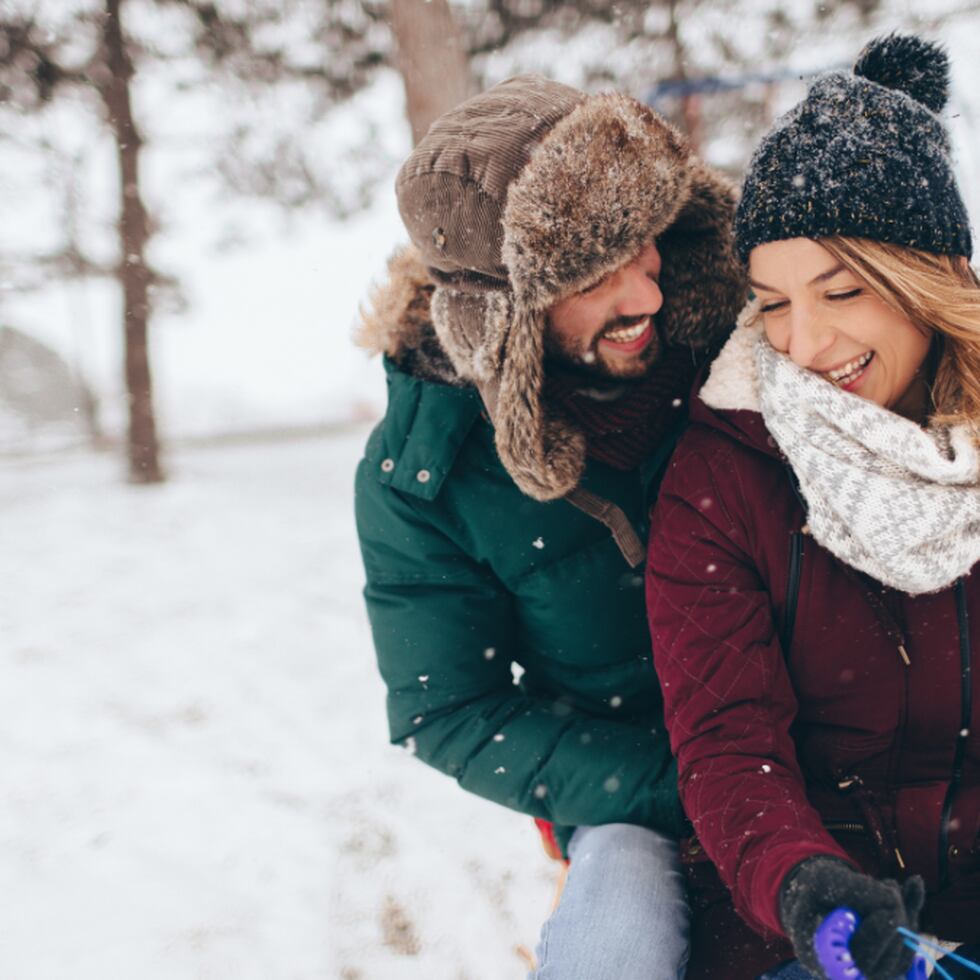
x=812, y=710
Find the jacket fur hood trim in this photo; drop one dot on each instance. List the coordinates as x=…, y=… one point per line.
x=733, y=382
x=397, y=314
x=397, y=321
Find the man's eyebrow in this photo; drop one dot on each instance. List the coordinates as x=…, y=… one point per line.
x=823, y=277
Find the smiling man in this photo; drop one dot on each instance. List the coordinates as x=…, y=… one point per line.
x=570, y=266
x=625, y=302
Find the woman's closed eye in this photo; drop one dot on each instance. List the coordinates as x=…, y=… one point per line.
x=773, y=305
x=848, y=294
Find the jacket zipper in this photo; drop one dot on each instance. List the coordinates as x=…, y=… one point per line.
x=966, y=712
x=795, y=565
x=792, y=590
x=874, y=826
x=844, y=826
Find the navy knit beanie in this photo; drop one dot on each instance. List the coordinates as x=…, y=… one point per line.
x=864, y=155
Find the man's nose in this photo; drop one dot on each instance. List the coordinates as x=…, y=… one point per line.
x=638, y=293
x=810, y=336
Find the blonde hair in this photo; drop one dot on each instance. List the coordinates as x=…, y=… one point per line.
x=940, y=294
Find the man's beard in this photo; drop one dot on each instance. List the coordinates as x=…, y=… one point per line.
x=590, y=362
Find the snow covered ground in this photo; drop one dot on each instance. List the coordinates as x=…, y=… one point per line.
x=196, y=780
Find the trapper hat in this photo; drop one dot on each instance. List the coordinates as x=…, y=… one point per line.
x=864, y=155
x=534, y=191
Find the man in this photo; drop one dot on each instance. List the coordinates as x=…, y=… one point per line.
x=571, y=261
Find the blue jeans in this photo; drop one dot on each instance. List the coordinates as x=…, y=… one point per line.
x=623, y=914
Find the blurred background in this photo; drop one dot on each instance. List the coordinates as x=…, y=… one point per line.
x=196, y=197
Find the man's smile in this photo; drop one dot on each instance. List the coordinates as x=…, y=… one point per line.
x=629, y=339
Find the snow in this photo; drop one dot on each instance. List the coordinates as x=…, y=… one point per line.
x=196, y=778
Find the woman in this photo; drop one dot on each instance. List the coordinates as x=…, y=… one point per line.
x=815, y=625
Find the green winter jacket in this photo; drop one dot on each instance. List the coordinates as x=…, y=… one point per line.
x=511, y=633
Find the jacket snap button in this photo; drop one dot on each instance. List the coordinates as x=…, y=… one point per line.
x=423, y=476
x=387, y=465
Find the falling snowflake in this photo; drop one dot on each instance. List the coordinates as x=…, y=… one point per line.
x=489, y=653
x=537, y=543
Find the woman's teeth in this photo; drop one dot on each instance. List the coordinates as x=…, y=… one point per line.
x=849, y=372
x=626, y=335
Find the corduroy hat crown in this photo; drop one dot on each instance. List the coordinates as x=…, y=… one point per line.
x=534, y=191
x=863, y=155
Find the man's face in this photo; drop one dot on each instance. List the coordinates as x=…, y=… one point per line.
x=609, y=329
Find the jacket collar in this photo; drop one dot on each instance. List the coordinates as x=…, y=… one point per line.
x=728, y=400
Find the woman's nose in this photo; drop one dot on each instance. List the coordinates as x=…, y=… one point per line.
x=810, y=336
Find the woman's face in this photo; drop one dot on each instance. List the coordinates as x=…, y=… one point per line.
x=830, y=322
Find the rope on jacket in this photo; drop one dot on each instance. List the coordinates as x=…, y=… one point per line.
x=618, y=523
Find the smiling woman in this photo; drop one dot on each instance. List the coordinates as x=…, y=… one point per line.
x=830, y=321
x=814, y=617
x=940, y=296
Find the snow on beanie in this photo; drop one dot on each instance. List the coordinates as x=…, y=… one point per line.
x=864, y=155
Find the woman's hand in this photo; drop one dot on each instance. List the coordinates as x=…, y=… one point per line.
x=818, y=885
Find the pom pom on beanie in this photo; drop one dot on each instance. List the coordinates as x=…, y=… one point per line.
x=907, y=64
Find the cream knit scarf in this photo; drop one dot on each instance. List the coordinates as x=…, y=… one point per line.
x=886, y=496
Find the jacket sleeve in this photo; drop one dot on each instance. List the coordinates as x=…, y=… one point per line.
x=446, y=634
x=729, y=702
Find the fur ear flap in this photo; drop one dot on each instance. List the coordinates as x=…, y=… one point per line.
x=544, y=456
x=472, y=328
x=703, y=283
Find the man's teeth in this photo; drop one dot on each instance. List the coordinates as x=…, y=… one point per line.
x=849, y=371
x=623, y=335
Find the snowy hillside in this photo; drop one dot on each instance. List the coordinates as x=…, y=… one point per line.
x=196, y=779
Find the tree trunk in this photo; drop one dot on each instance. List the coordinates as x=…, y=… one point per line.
x=432, y=60
x=690, y=103
x=143, y=450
